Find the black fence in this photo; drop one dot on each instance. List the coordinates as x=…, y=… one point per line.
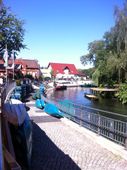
x=108, y=124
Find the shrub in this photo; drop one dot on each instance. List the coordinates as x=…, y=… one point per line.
x=122, y=94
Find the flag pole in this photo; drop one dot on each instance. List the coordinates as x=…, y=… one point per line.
x=6, y=63
x=13, y=65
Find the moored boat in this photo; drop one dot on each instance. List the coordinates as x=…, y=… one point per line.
x=91, y=96
x=60, y=87
x=40, y=103
x=66, y=83
x=52, y=110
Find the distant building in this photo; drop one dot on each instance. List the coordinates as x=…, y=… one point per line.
x=46, y=73
x=17, y=68
x=24, y=66
x=30, y=67
x=63, y=71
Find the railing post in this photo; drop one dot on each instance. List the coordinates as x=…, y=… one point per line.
x=126, y=142
x=126, y=138
x=111, y=129
x=89, y=120
x=81, y=117
x=99, y=123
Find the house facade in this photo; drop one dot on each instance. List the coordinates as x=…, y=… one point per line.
x=9, y=70
x=46, y=73
x=63, y=71
x=29, y=67
x=24, y=66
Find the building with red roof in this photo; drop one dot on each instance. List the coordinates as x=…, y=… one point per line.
x=62, y=70
x=25, y=66
x=10, y=67
x=30, y=67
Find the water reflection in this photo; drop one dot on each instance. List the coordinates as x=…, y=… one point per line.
x=76, y=95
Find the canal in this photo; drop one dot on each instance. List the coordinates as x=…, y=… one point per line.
x=76, y=95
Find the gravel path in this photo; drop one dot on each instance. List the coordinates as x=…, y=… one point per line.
x=57, y=146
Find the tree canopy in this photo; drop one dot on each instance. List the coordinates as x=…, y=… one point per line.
x=11, y=31
x=109, y=55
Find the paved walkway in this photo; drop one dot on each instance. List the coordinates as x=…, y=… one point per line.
x=57, y=146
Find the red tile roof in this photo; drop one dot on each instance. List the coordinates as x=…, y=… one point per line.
x=28, y=63
x=25, y=62
x=2, y=61
x=60, y=67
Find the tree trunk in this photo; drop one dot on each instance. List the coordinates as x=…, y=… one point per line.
x=119, y=72
x=126, y=75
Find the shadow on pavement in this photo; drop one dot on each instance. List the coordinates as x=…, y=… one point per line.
x=46, y=155
x=44, y=119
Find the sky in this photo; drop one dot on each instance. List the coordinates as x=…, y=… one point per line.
x=60, y=30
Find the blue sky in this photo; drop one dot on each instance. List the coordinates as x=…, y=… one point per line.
x=60, y=30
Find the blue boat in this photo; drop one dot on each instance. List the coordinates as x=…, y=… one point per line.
x=41, y=89
x=51, y=109
x=40, y=103
x=17, y=93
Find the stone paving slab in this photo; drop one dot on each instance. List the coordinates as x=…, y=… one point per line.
x=57, y=146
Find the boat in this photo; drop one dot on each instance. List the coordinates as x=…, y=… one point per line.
x=52, y=110
x=41, y=89
x=88, y=85
x=60, y=87
x=40, y=103
x=17, y=93
x=67, y=83
x=91, y=96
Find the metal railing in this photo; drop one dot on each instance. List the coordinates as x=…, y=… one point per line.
x=108, y=124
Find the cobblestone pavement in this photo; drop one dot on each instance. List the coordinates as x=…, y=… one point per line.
x=57, y=146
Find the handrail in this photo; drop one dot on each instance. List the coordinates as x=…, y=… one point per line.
x=90, y=108
x=91, y=118
x=85, y=107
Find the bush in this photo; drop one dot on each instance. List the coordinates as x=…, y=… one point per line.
x=122, y=94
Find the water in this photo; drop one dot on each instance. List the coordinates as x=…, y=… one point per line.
x=76, y=95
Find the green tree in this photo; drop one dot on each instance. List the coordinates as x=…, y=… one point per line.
x=88, y=72
x=98, y=57
x=122, y=94
x=109, y=55
x=11, y=31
